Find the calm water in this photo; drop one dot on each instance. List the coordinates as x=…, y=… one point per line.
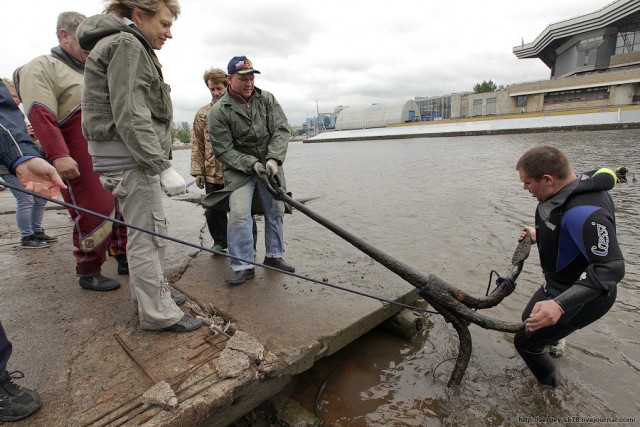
x=454, y=207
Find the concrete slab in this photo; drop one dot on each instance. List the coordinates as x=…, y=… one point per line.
x=86, y=354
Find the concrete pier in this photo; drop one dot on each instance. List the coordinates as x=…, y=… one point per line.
x=86, y=354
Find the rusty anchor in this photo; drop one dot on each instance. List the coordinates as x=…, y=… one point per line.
x=456, y=306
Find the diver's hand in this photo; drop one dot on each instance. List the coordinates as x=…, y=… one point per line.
x=544, y=313
x=531, y=231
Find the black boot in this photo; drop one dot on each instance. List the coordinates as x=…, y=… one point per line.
x=98, y=283
x=537, y=358
x=16, y=402
x=279, y=264
x=123, y=265
x=241, y=276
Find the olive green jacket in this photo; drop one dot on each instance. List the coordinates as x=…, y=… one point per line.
x=126, y=105
x=241, y=138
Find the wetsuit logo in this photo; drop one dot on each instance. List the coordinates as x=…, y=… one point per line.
x=603, y=240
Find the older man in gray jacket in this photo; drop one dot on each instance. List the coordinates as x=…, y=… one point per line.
x=249, y=135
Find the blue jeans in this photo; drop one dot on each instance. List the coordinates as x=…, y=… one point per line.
x=217, y=220
x=240, y=226
x=29, y=209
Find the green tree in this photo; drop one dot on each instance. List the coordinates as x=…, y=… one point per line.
x=485, y=86
x=174, y=131
x=181, y=132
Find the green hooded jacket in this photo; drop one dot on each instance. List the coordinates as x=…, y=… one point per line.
x=241, y=138
x=126, y=105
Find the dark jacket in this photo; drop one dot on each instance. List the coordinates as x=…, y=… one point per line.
x=15, y=142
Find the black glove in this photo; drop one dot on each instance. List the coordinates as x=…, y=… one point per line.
x=621, y=174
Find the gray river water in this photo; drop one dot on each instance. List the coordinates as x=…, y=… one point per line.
x=454, y=207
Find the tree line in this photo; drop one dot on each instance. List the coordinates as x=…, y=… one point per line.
x=487, y=86
x=182, y=131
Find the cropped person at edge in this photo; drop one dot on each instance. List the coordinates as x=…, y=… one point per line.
x=20, y=155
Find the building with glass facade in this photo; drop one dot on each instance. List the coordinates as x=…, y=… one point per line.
x=594, y=63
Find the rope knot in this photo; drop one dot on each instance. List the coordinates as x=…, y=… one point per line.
x=509, y=283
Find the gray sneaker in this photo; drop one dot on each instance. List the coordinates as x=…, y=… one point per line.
x=179, y=299
x=31, y=242
x=186, y=324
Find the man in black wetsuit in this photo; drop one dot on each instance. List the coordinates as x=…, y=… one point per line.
x=579, y=253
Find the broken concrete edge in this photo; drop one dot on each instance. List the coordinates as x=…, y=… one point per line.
x=228, y=399
x=242, y=341
x=237, y=361
x=162, y=395
x=296, y=361
x=231, y=398
x=250, y=399
x=256, y=369
x=221, y=404
x=232, y=363
x=197, y=409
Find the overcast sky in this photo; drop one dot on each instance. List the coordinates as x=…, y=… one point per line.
x=335, y=52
